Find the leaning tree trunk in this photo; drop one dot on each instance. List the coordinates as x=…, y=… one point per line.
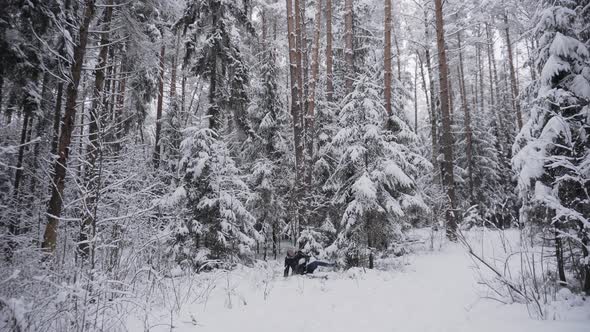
x=348, y=48
x=447, y=138
x=65, y=138
x=96, y=115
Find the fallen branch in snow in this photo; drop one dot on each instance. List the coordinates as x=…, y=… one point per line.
x=499, y=276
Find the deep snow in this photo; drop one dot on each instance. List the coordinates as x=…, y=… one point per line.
x=427, y=291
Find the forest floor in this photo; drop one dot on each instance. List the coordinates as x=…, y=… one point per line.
x=433, y=289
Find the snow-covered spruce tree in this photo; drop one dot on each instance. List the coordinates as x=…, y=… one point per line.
x=266, y=152
x=372, y=177
x=552, y=152
x=213, y=222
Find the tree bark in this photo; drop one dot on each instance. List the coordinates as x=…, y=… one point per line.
x=348, y=48
x=96, y=114
x=329, y=53
x=158, y=148
x=310, y=119
x=387, y=58
x=65, y=138
x=295, y=74
x=447, y=138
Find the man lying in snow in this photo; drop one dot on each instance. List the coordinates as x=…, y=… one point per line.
x=299, y=263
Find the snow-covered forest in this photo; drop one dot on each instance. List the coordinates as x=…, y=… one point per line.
x=159, y=158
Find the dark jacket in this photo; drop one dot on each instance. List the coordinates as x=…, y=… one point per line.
x=296, y=263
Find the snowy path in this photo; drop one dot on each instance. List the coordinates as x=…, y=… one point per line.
x=436, y=292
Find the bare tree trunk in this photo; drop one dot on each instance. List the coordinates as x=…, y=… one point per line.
x=467, y=120
x=97, y=112
x=329, y=53
x=348, y=48
x=158, y=148
x=515, y=93
x=387, y=58
x=447, y=138
x=58, y=181
x=310, y=119
x=295, y=74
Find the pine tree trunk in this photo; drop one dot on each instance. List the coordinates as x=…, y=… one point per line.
x=514, y=87
x=97, y=113
x=467, y=121
x=329, y=53
x=295, y=74
x=65, y=138
x=387, y=58
x=447, y=138
x=158, y=148
x=348, y=48
x=298, y=48
x=310, y=119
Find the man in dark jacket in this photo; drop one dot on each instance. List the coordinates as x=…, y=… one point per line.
x=299, y=263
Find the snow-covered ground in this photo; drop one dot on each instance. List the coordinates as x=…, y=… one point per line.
x=428, y=291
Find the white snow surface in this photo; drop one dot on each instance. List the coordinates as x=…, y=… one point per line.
x=426, y=291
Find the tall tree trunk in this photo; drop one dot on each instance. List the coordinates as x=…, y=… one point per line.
x=433, y=109
x=298, y=47
x=387, y=58
x=295, y=74
x=467, y=120
x=349, y=47
x=97, y=113
x=65, y=138
x=431, y=115
x=158, y=148
x=329, y=53
x=447, y=138
x=514, y=87
x=310, y=119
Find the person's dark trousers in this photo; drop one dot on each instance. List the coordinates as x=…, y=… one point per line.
x=314, y=265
